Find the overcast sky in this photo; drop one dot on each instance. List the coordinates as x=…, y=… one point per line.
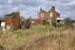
x=30, y=7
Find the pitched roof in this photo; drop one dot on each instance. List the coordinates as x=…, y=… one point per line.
x=9, y=14
x=42, y=11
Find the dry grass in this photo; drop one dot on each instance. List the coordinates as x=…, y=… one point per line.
x=39, y=38
x=63, y=40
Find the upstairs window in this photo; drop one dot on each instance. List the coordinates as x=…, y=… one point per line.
x=42, y=14
x=51, y=15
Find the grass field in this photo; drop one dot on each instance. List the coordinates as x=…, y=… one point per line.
x=39, y=38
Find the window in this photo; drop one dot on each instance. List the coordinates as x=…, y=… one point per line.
x=42, y=14
x=51, y=14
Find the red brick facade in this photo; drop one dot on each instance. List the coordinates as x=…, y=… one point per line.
x=37, y=22
x=13, y=20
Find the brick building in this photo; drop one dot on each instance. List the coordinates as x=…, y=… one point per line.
x=12, y=20
x=51, y=15
x=37, y=22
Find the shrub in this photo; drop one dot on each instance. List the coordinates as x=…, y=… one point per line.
x=27, y=23
x=68, y=23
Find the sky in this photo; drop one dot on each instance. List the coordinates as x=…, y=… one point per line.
x=28, y=8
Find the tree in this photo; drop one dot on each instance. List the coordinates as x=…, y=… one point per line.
x=27, y=23
x=22, y=20
x=68, y=23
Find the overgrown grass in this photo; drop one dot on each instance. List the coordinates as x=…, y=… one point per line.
x=13, y=39
x=23, y=38
x=35, y=29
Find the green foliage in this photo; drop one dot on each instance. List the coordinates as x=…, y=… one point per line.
x=25, y=23
x=22, y=20
x=33, y=28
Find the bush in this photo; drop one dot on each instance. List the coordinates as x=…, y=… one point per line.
x=27, y=23
x=68, y=23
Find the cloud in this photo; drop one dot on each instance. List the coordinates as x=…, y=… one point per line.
x=10, y=1
x=71, y=3
x=29, y=7
x=66, y=8
x=33, y=3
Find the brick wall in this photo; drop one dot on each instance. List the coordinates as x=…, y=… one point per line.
x=13, y=20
